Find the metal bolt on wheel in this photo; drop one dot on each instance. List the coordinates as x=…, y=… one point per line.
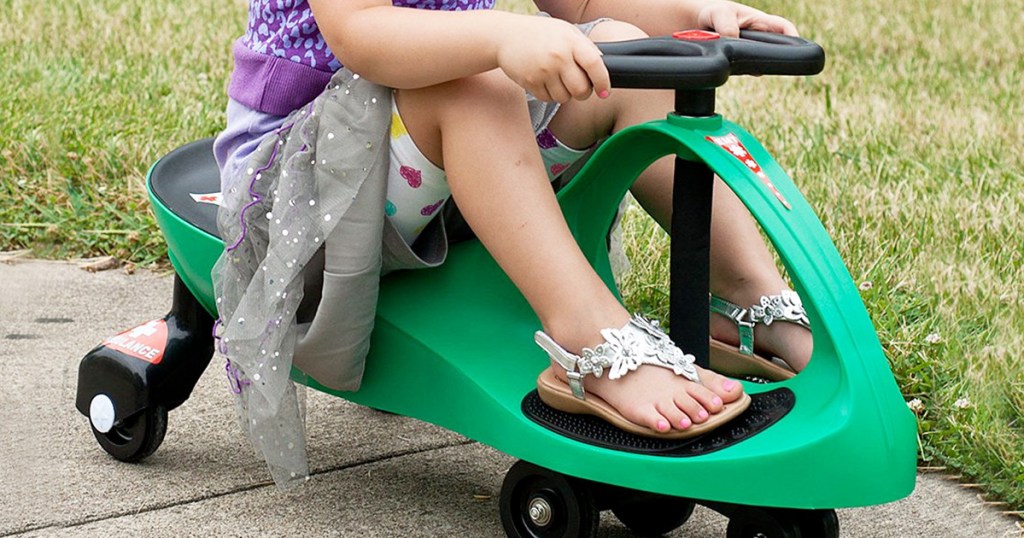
x=538, y=503
x=540, y=511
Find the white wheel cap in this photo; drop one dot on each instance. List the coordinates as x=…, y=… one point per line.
x=101, y=413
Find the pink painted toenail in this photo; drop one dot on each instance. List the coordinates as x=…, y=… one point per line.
x=662, y=425
x=703, y=414
x=716, y=400
x=728, y=384
x=603, y=94
x=685, y=423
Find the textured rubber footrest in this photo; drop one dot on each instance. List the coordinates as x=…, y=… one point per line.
x=765, y=409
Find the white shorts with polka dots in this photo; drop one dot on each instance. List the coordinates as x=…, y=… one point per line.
x=417, y=188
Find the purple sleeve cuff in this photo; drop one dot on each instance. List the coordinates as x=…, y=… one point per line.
x=271, y=84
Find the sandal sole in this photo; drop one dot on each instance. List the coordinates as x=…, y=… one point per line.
x=727, y=360
x=557, y=395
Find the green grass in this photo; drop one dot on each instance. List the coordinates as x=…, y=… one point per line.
x=907, y=146
x=93, y=94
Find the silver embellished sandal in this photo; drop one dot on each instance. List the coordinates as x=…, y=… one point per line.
x=639, y=342
x=742, y=361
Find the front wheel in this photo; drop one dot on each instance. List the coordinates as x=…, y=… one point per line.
x=654, y=517
x=137, y=438
x=823, y=523
x=538, y=503
x=755, y=522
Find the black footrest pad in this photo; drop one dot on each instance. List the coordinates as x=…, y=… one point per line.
x=765, y=409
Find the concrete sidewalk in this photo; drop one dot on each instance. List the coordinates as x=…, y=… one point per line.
x=374, y=474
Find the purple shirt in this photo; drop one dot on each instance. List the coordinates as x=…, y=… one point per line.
x=282, y=61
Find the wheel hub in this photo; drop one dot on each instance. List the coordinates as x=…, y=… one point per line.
x=101, y=413
x=540, y=511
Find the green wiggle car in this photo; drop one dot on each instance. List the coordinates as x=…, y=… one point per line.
x=837, y=435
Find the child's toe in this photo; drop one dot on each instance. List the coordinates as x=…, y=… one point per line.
x=647, y=415
x=691, y=408
x=673, y=414
x=706, y=398
x=659, y=422
x=729, y=390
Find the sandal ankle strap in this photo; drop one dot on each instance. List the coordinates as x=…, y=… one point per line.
x=785, y=306
x=640, y=341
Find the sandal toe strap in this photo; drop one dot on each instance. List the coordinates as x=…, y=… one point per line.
x=639, y=342
x=642, y=341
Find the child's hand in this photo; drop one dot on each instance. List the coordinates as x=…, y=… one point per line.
x=727, y=18
x=553, y=60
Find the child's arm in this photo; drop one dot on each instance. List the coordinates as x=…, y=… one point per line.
x=662, y=17
x=412, y=48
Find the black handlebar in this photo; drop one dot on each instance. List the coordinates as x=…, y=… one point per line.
x=697, y=60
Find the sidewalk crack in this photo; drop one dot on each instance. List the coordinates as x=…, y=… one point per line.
x=235, y=490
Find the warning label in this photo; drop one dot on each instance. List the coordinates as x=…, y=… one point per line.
x=732, y=144
x=144, y=342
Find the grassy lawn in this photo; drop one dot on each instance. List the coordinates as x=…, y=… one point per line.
x=907, y=146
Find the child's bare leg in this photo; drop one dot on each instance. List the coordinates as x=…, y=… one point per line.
x=478, y=129
x=742, y=268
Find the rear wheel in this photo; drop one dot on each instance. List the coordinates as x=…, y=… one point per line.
x=137, y=437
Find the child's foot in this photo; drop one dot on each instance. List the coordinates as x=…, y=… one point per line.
x=663, y=401
x=660, y=400
x=788, y=341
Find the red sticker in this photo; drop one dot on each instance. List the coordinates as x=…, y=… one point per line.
x=732, y=144
x=144, y=342
x=214, y=198
x=696, y=35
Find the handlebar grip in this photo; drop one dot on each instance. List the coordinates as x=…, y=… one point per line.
x=774, y=38
x=765, y=53
x=667, y=72
x=665, y=62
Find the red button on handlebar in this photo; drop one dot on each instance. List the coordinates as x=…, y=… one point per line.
x=696, y=35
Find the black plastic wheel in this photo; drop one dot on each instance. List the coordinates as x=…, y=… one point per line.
x=137, y=438
x=538, y=503
x=754, y=522
x=817, y=523
x=656, y=516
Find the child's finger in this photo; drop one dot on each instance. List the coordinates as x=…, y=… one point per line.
x=724, y=22
x=557, y=91
x=772, y=23
x=783, y=26
x=577, y=83
x=589, y=58
x=541, y=93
